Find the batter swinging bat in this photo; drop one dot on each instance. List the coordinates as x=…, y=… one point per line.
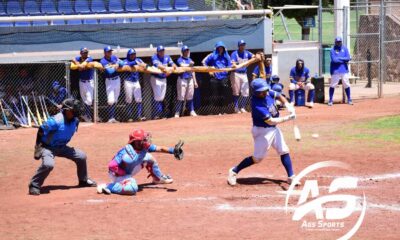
x=39, y=118
x=4, y=115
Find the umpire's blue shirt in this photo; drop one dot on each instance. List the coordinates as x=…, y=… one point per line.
x=58, y=132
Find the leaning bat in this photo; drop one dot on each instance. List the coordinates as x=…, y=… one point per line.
x=45, y=107
x=21, y=117
x=29, y=111
x=12, y=112
x=4, y=114
x=43, y=111
x=22, y=108
x=39, y=118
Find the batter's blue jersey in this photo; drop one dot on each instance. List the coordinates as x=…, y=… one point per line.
x=219, y=61
x=299, y=75
x=88, y=73
x=241, y=57
x=106, y=62
x=58, y=132
x=340, y=56
x=164, y=61
x=133, y=76
x=268, y=72
x=185, y=62
x=264, y=108
x=127, y=158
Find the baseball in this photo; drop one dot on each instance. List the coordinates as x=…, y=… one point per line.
x=315, y=135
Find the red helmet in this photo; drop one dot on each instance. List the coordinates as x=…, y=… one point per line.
x=140, y=138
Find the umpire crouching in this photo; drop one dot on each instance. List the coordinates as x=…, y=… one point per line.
x=52, y=139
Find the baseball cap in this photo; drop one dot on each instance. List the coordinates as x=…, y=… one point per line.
x=259, y=85
x=241, y=42
x=338, y=39
x=55, y=85
x=108, y=48
x=84, y=49
x=184, y=48
x=160, y=48
x=131, y=51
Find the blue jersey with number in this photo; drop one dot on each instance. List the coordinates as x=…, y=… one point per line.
x=58, y=132
x=127, y=158
x=133, y=76
x=163, y=61
x=219, y=61
x=185, y=62
x=88, y=73
x=241, y=57
x=106, y=62
x=268, y=72
x=299, y=75
x=264, y=108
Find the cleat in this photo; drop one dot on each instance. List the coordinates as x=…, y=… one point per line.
x=130, y=120
x=330, y=103
x=102, y=188
x=165, y=179
x=87, y=183
x=350, y=102
x=237, y=110
x=176, y=115
x=34, y=191
x=142, y=119
x=112, y=120
x=193, y=114
x=86, y=118
x=290, y=180
x=310, y=104
x=232, y=177
x=243, y=110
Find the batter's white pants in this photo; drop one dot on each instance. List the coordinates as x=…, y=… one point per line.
x=113, y=88
x=132, y=89
x=308, y=86
x=159, y=87
x=264, y=138
x=86, y=88
x=185, y=89
x=336, y=78
x=240, y=84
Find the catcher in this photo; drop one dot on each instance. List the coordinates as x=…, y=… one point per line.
x=134, y=157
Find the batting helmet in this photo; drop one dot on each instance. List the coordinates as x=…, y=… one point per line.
x=72, y=104
x=275, y=78
x=140, y=139
x=277, y=87
x=259, y=85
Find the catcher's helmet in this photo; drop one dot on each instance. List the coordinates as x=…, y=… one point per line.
x=259, y=85
x=140, y=139
x=74, y=105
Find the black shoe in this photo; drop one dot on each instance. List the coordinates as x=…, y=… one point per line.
x=87, y=183
x=34, y=191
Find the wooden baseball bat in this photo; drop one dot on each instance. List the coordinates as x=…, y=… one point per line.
x=43, y=111
x=26, y=100
x=39, y=118
x=45, y=107
x=23, y=109
x=4, y=115
x=18, y=118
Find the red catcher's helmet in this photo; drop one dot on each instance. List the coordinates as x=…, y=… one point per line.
x=140, y=139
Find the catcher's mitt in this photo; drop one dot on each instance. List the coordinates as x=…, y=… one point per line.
x=178, y=151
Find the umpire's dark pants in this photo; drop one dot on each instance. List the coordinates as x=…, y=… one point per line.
x=48, y=154
x=219, y=88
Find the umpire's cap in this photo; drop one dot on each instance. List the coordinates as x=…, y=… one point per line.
x=259, y=85
x=72, y=104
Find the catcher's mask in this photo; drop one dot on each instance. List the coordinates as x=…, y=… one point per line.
x=72, y=104
x=140, y=140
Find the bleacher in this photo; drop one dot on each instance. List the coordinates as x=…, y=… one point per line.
x=92, y=7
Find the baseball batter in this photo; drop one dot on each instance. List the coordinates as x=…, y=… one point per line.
x=300, y=79
x=86, y=83
x=239, y=80
x=159, y=81
x=134, y=157
x=113, y=82
x=267, y=69
x=51, y=141
x=132, y=86
x=340, y=58
x=186, y=83
x=219, y=87
x=265, y=131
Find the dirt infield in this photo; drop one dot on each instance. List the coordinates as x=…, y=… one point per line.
x=199, y=204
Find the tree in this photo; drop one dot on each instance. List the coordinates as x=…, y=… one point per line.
x=300, y=15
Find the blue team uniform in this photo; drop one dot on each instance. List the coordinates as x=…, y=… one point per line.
x=165, y=61
x=340, y=56
x=240, y=57
x=88, y=73
x=185, y=62
x=105, y=62
x=264, y=108
x=219, y=61
x=299, y=75
x=133, y=76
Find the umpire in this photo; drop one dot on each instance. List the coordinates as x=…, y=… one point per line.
x=52, y=139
